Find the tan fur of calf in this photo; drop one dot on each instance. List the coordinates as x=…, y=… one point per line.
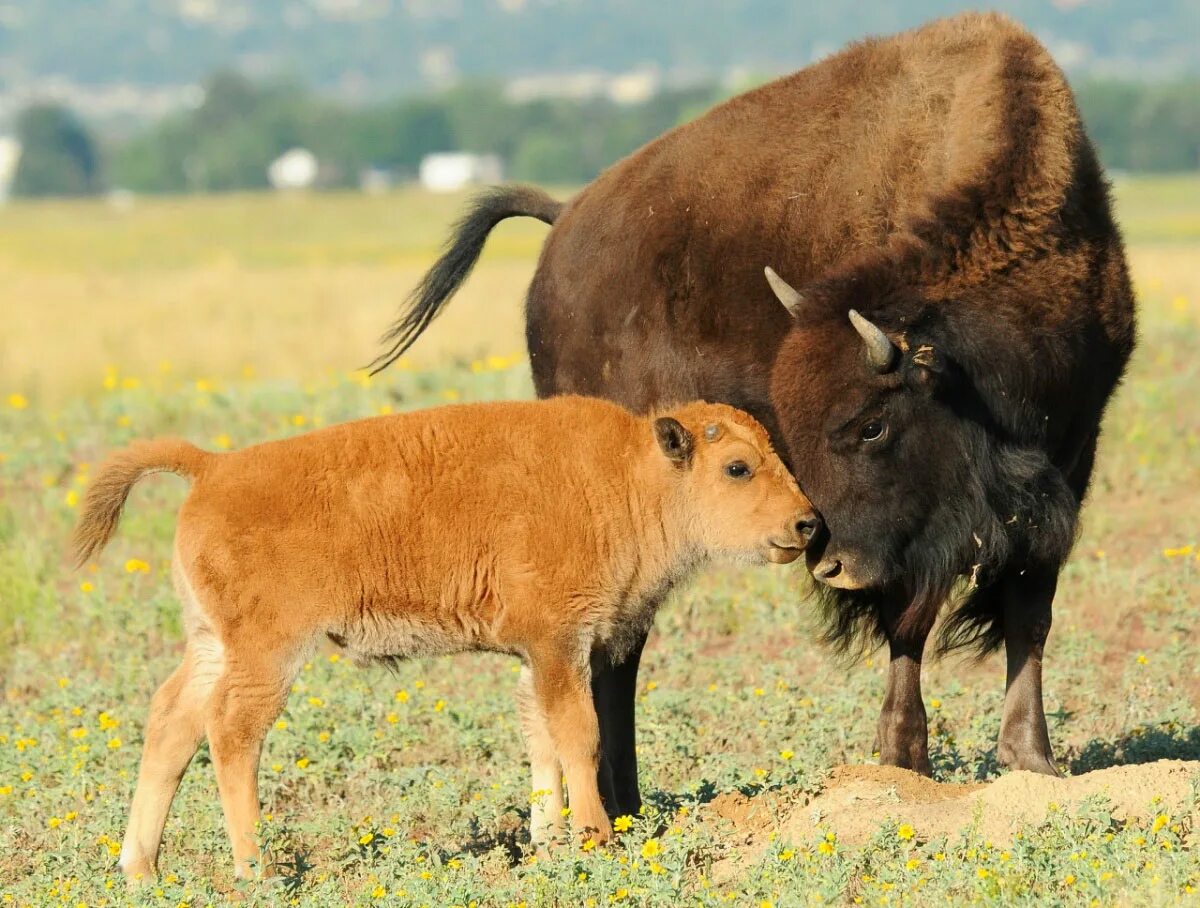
x=550, y=530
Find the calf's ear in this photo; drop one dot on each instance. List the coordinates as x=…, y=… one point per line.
x=676, y=441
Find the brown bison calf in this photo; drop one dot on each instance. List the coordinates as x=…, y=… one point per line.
x=549, y=530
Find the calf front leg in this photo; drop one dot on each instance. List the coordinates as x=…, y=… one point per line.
x=174, y=730
x=562, y=693
x=1024, y=738
x=546, y=822
x=903, y=736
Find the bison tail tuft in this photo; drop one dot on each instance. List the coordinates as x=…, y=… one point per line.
x=462, y=251
x=106, y=495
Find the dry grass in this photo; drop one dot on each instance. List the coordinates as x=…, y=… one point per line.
x=291, y=286
x=298, y=286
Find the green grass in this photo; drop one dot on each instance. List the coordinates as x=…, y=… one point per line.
x=251, y=230
x=1160, y=208
x=423, y=800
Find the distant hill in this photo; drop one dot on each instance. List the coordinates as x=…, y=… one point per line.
x=366, y=49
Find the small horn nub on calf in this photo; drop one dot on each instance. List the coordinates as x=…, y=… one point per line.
x=881, y=352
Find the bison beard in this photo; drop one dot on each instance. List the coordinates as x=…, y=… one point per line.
x=939, y=185
x=966, y=530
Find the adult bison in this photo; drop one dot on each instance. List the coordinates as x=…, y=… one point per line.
x=961, y=314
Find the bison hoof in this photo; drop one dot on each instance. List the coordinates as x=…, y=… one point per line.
x=915, y=760
x=1028, y=760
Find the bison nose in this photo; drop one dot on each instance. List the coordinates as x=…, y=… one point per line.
x=806, y=526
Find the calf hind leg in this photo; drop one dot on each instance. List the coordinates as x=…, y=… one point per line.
x=245, y=703
x=174, y=729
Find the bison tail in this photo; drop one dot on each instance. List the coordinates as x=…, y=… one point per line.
x=107, y=492
x=449, y=272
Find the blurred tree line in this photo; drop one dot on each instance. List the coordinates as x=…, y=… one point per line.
x=227, y=142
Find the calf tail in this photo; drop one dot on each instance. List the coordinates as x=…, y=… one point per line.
x=462, y=251
x=106, y=494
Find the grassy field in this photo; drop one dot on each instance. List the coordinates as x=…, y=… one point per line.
x=238, y=319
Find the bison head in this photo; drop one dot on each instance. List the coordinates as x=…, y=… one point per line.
x=922, y=474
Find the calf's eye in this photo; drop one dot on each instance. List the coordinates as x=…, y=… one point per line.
x=872, y=431
x=737, y=470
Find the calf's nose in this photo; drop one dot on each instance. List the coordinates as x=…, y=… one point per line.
x=806, y=525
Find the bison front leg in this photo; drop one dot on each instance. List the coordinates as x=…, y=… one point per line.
x=1024, y=738
x=903, y=737
x=614, y=693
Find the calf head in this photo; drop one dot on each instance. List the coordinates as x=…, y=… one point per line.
x=739, y=499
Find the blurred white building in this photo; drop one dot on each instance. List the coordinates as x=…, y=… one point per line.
x=446, y=171
x=294, y=169
x=10, y=154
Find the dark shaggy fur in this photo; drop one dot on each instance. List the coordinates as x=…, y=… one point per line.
x=940, y=183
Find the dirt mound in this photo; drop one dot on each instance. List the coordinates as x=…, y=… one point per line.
x=858, y=800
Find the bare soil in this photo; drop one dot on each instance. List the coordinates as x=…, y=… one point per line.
x=858, y=801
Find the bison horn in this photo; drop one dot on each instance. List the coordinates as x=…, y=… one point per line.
x=880, y=350
x=788, y=295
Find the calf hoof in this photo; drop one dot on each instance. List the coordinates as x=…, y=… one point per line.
x=598, y=831
x=138, y=870
x=546, y=841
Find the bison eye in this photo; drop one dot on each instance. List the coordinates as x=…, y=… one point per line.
x=873, y=431
x=737, y=470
